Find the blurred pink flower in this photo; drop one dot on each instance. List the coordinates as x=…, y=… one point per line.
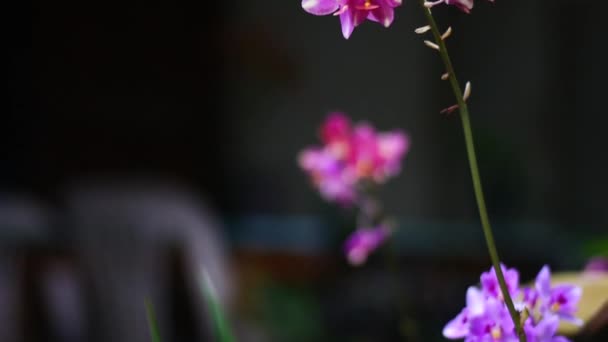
x=362, y=242
x=337, y=127
x=377, y=156
x=351, y=154
x=329, y=176
x=597, y=264
x=336, y=133
x=392, y=147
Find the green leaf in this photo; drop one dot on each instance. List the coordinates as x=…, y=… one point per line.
x=152, y=322
x=596, y=247
x=223, y=333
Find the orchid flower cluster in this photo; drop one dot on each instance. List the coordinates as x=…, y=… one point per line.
x=355, y=156
x=354, y=12
x=541, y=307
x=353, y=159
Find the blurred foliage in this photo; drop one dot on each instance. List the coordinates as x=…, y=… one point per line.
x=222, y=330
x=152, y=322
x=291, y=314
x=596, y=247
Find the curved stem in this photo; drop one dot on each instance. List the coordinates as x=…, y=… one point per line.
x=470, y=146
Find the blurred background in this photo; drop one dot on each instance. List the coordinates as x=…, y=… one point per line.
x=145, y=143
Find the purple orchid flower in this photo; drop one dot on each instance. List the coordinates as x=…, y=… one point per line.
x=494, y=324
x=491, y=287
x=486, y=317
x=353, y=12
x=361, y=243
x=544, y=330
x=459, y=327
x=483, y=319
x=561, y=300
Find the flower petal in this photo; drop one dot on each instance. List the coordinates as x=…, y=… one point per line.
x=458, y=327
x=347, y=22
x=543, y=281
x=464, y=5
x=335, y=128
x=363, y=242
x=475, y=301
x=394, y=3
x=490, y=285
x=359, y=16
x=320, y=7
x=383, y=14
x=547, y=327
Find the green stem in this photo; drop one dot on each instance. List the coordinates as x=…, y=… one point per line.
x=470, y=145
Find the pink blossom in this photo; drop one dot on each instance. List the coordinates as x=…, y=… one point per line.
x=353, y=12
x=392, y=147
x=334, y=182
x=361, y=243
x=597, y=265
x=377, y=156
x=336, y=128
x=350, y=154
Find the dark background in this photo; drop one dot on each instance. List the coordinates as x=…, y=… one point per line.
x=223, y=96
x=219, y=97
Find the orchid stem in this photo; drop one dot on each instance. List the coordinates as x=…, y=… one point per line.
x=470, y=146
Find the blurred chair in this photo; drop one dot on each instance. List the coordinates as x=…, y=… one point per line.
x=131, y=239
x=24, y=223
x=58, y=309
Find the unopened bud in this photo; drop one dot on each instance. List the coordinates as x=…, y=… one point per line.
x=429, y=4
x=447, y=33
x=445, y=76
x=423, y=29
x=449, y=110
x=431, y=45
x=467, y=91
